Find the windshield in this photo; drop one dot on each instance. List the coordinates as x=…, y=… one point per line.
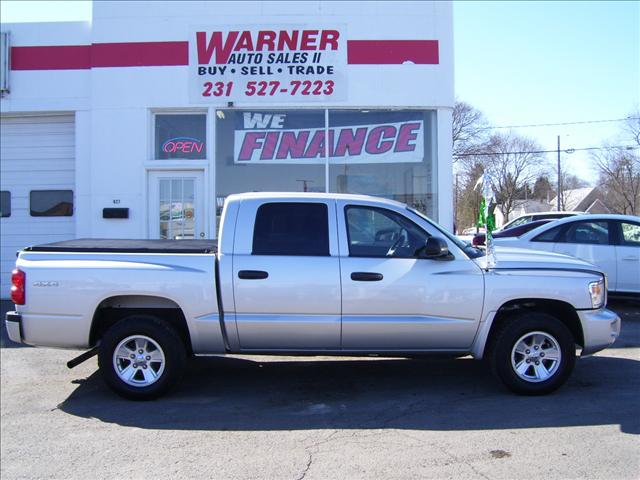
x=467, y=248
x=517, y=222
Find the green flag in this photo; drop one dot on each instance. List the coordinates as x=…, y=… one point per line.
x=484, y=219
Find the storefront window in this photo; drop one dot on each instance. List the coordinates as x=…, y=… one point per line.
x=180, y=136
x=269, y=151
x=384, y=153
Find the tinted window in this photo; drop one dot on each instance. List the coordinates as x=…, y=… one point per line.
x=180, y=136
x=593, y=233
x=548, y=236
x=376, y=232
x=51, y=203
x=291, y=229
x=630, y=234
x=5, y=204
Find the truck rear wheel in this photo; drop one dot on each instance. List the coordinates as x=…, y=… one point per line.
x=533, y=354
x=141, y=357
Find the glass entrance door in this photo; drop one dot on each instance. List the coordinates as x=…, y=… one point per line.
x=176, y=206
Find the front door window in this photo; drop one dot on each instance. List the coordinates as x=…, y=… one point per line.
x=177, y=208
x=176, y=205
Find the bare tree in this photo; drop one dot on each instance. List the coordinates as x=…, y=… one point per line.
x=469, y=129
x=632, y=127
x=619, y=169
x=513, y=165
x=469, y=135
x=468, y=197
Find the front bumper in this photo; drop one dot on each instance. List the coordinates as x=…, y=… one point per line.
x=600, y=327
x=13, y=322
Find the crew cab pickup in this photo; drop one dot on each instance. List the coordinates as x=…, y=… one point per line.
x=309, y=274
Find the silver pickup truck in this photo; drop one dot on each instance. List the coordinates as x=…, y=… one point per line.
x=300, y=274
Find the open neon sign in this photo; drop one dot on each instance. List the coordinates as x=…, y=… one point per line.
x=183, y=145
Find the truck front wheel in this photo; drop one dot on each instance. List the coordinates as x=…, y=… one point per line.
x=533, y=354
x=141, y=357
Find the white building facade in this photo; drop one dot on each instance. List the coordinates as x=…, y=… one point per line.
x=139, y=123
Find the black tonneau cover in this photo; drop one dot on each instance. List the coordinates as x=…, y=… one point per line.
x=107, y=245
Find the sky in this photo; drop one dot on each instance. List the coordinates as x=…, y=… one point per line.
x=525, y=63
x=520, y=63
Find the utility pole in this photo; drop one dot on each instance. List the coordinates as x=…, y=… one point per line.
x=559, y=177
x=305, y=184
x=455, y=208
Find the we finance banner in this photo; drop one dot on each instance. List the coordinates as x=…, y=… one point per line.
x=267, y=138
x=267, y=63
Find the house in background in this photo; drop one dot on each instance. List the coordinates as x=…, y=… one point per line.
x=588, y=199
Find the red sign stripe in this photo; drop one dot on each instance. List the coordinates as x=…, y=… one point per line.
x=140, y=54
x=67, y=57
x=392, y=52
x=152, y=54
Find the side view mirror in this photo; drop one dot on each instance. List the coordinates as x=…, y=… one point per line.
x=435, y=247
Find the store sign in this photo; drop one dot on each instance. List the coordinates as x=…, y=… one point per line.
x=183, y=145
x=267, y=64
x=180, y=136
x=265, y=138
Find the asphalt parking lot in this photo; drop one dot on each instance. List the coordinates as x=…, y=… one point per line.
x=317, y=418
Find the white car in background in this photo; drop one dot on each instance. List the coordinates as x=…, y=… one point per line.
x=612, y=242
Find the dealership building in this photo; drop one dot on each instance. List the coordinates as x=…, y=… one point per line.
x=141, y=122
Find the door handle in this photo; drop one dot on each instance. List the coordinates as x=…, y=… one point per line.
x=633, y=259
x=252, y=274
x=366, y=277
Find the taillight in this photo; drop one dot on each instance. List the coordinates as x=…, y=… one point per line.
x=18, y=282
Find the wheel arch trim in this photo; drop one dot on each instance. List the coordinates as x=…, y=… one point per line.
x=543, y=305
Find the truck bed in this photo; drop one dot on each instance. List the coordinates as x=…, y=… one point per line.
x=107, y=245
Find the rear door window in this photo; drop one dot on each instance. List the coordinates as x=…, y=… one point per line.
x=287, y=228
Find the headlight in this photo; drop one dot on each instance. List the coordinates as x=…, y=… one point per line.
x=598, y=292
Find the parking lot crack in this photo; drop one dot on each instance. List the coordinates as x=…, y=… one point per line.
x=307, y=467
x=313, y=449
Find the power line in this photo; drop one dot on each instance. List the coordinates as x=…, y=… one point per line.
x=560, y=123
x=568, y=150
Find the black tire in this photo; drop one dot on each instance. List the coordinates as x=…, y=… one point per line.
x=529, y=382
x=167, y=372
